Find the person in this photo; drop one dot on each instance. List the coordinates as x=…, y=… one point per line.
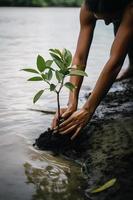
x=120, y=13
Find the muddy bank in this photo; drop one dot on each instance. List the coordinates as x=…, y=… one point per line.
x=105, y=146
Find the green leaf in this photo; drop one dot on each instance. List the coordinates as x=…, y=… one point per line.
x=50, y=74
x=52, y=87
x=57, y=60
x=67, y=57
x=65, y=71
x=56, y=51
x=41, y=65
x=31, y=70
x=36, y=78
x=49, y=63
x=59, y=76
x=55, y=56
x=70, y=86
x=37, y=96
x=77, y=72
x=59, y=64
x=105, y=186
x=44, y=76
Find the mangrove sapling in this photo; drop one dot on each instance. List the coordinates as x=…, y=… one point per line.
x=57, y=68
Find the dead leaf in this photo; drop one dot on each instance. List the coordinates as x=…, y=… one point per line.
x=107, y=185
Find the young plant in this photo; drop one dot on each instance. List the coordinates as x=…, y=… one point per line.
x=60, y=67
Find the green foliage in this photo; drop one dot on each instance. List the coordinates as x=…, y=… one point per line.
x=36, y=78
x=49, y=63
x=40, y=2
x=37, y=96
x=58, y=67
x=49, y=74
x=41, y=64
x=70, y=86
x=52, y=87
x=31, y=70
x=67, y=57
x=59, y=76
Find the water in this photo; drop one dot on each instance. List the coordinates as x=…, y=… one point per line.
x=25, y=33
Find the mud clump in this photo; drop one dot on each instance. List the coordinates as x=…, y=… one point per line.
x=52, y=142
x=58, y=144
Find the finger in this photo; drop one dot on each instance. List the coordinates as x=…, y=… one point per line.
x=66, y=122
x=67, y=126
x=68, y=130
x=62, y=111
x=55, y=120
x=65, y=115
x=63, y=128
x=54, y=123
x=63, y=124
x=76, y=133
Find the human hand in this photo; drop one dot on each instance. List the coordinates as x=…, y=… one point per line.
x=74, y=123
x=65, y=113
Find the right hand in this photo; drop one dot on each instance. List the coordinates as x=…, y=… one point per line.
x=65, y=114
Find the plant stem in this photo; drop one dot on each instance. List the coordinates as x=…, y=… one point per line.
x=58, y=103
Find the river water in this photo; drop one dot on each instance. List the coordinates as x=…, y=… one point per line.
x=25, y=33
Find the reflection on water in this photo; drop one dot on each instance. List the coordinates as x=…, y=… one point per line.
x=26, y=173
x=52, y=183
x=55, y=178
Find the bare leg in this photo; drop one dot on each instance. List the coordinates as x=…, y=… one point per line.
x=125, y=73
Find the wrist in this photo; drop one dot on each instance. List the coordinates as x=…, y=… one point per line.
x=73, y=101
x=89, y=108
x=73, y=105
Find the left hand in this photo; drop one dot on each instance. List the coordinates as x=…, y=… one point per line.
x=74, y=123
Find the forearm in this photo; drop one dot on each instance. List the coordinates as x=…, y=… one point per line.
x=87, y=25
x=118, y=53
x=77, y=81
x=104, y=82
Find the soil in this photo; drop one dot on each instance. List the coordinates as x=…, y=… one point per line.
x=104, y=147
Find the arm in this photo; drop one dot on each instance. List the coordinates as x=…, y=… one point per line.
x=111, y=69
x=87, y=25
x=117, y=55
